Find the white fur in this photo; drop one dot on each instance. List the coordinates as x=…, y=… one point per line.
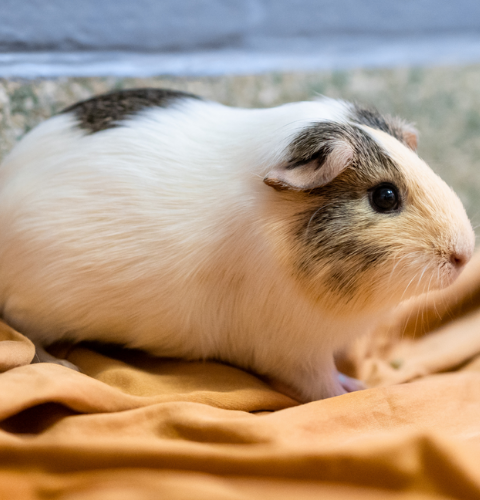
x=157, y=235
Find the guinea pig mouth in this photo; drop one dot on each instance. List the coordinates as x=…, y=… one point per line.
x=449, y=270
x=426, y=274
x=442, y=268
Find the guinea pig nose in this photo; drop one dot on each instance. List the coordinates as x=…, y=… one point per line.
x=458, y=259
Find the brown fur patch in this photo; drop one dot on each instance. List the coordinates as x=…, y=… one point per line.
x=108, y=110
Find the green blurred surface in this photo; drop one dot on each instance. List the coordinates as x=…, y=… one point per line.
x=443, y=103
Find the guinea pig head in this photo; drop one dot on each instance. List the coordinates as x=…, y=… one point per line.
x=367, y=222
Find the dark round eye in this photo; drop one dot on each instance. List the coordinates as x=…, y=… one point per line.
x=384, y=198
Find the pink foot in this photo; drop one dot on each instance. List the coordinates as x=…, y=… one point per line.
x=350, y=384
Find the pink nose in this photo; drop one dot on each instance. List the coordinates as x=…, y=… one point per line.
x=459, y=259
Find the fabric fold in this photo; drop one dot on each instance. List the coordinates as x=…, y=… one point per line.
x=129, y=425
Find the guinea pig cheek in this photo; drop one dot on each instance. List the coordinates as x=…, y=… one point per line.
x=437, y=234
x=344, y=257
x=432, y=249
x=354, y=260
x=434, y=235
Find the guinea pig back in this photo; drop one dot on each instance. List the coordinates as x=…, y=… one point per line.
x=266, y=238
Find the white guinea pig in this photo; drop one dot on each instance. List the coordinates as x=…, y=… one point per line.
x=265, y=238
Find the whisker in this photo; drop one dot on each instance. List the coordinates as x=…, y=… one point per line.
x=394, y=267
x=419, y=310
x=405, y=291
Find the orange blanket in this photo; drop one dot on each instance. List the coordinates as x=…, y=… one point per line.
x=130, y=426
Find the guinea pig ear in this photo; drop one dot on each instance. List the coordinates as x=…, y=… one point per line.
x=410, y=136
x=317, y=171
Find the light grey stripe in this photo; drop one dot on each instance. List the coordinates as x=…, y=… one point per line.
x=303, y=55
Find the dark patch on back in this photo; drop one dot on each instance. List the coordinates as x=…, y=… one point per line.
x=372, y=118
x=108, y=110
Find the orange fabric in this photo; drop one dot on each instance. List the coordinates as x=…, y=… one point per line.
x=132, y=426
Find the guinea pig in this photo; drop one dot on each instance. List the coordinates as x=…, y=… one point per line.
x=264, y=238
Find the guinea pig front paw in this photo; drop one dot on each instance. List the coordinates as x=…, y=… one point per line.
x=315, y=386
x=350, y=384
x=65, y=363
x=42, y=356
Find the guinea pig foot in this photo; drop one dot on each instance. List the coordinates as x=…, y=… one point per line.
x=350, y=384
x=336, y=384
x=42, y=356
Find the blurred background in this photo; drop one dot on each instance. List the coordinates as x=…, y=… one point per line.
x=419, y=59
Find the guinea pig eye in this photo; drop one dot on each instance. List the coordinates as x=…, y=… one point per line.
x=384, y=198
